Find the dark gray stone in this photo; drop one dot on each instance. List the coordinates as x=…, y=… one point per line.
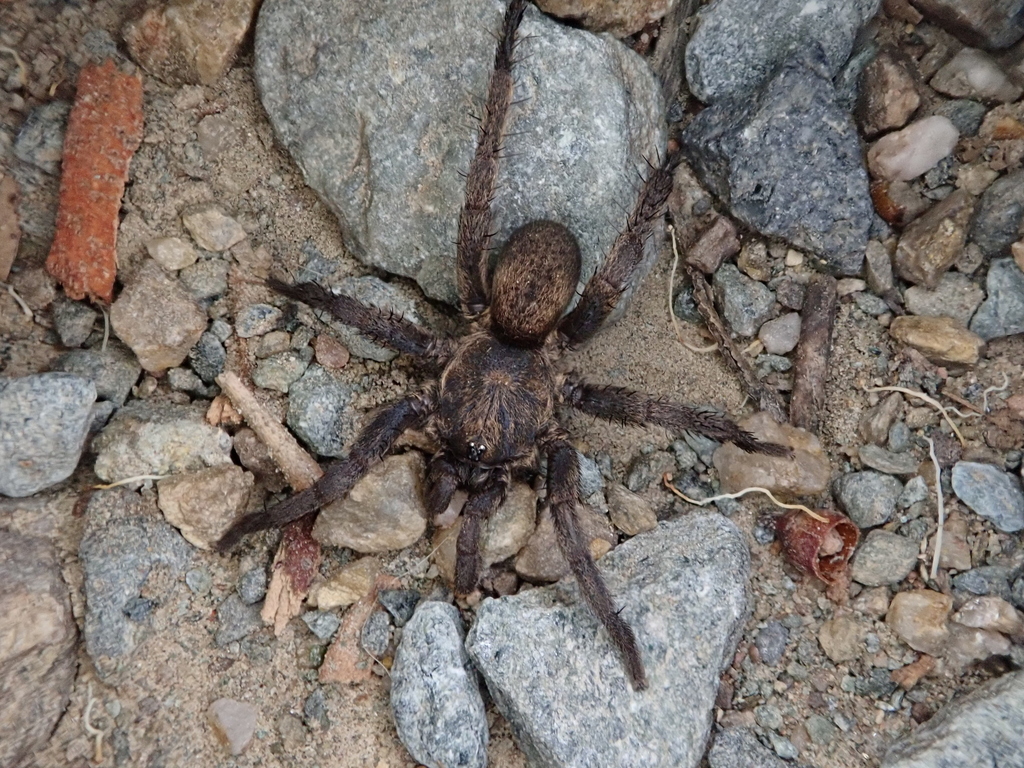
x=1002, y=313
x=965, y=114
x=992, y=493
x=318, y=411
x=118, y=555
x=44, y=420
x=256, y=320
x=869, y=498
x=114, y=371
x=997, y=220
x=979, y=730
x=73, y=321
x=983, y=23
x=279, y=372
x=376, y=635
x=435, y=696
x=400, y=603
x=314, y=709
x=771, y=642
x=985, y=580
x=40, y=140
x=890, y=463
x=208, y=357
x=322, y=624
x=788, y=163
x=738, y=44
x=884, y=558
x=682, y=587
x=746, y=304
x=373, y=103
x=236, y=620
x=739, y=748
x=252, y=585
x=206, y=278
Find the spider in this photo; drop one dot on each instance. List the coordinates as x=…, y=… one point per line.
x=492, y=410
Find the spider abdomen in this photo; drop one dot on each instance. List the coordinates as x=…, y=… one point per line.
x=493, y=400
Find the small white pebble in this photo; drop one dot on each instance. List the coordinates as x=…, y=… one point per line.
x=908, y=153
x=794, y=258
x=234, y=723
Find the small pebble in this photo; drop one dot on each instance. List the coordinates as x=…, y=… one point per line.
x=991, y=492
x=888, y=462
x=252, y=585
x=172, y=253
x=973, y=74
x=199, y=581
x=771, y=642
x=908, y=153
x=746, y=304
x=279, y=372
x=985, y=580
x=919, y=618
x=323, y=624
x=883, y=558
x=842, y=639
x=211, y=228
x=376, y=634
x=869, y=498
x=256, y=319
x=400, y=603
x=73, y=321
x=781, y=335
x=236, y=620
x=234, y=723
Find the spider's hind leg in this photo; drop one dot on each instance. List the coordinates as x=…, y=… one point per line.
x=475, y=218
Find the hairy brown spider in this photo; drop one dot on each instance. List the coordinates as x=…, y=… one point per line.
x=492, y=411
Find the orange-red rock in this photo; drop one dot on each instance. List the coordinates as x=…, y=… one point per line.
x=104, y=130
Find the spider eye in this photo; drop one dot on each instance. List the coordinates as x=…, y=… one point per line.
x=476, y=450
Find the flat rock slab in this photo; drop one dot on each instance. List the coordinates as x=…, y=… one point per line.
x=551, y=669
x=788, y=163
x=374, y=101
x=980, y=730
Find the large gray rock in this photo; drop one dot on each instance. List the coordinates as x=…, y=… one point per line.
x=44, y=420
x=435, y=694
x=124, y=542
x=1002, y=313
x=739, y=748
x=543, y=654
x=788, y=163
x=980, y=730
x=991, y=492
x=374, y=101
x=739, y=44
x=37, y=646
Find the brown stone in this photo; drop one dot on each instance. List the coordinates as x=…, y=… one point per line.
x=620, y=17
x=719, y=242
x=541, y=559
x=986, y=23
x=933, y=242
x=919, y=618
x=874, y=424
x=942, y=340
x=888, y=93
x=203, y=505
x=188, y=41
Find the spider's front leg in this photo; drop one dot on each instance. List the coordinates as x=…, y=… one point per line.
x=373, y=442
x=563, y=493
x=475, y=219
x=640, y=409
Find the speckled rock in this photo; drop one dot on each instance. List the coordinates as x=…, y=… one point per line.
x=884, y=558
x=746, y=304
x=113, y=371
x=318, y=411
x=888, y=94
x=907, y=153
x=233, y=723
x=869, y=498
x=435, y=694
x=919, y=618
x=407, y=102
x=629, y=512
x=44, y=420
x=683, y=590
x=73, y=321
x=157, y=318
x=1000, y=214
x=807, y=187
x=956, y=296
x=991, y=492
x=974, y=731
x=383, y=511
x=737, y=44
x=213, y=229
x=1002, y=313
x=842, y=638
x=149, y=438
x=172, y=253
x=739, y=748
x=942, y=340
x=38, y=657
x=973, y=74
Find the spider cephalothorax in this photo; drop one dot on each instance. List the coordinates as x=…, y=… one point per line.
x=492, y=411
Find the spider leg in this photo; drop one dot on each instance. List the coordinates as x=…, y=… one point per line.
x=479, y=507
x=443, y=479
x=378, y=325
x=638, y=408
x=563, y=490
x=475, y=218
x=606, y=286
x=372, y=443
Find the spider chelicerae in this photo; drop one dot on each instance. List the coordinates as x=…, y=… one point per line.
x=492, y=410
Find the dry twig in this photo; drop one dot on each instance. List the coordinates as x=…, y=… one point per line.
x=810, y=369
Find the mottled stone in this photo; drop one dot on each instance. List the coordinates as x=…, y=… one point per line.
x=973, y=74
x=348, y=584
x=919, y=618
x=203, y=505
x=956, y=296
x=884, y=558
x=907, y=153
x=992, y=493
x=113, y=370
x=1002, y=313
x=932, y=243
x=172, y=253
x=888, y=94
x=869, y=498
x=629, y=512
x=997, y=222
x=842, y=639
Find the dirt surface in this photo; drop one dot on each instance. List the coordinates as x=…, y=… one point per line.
x=156, y=715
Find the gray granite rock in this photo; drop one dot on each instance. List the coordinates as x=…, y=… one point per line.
x=788, y=163
x=991, y=492
x=999, y=215
x=985, y=580
x=44, y=420
x=252, y=585
x=236, y=620
x=682, y=587
x=435, y=694
x=318, y=411
x=118, y=555
x=1002, y=313
x=739, y=748
x=40, y=140
x=965, y=114
x=739, y=44
x=38, y=657
x=746, y=304
x=884, y=558
x=979, y=730
x=73, y=321
x=376, y=635
x=956, y=296
x=208, y=357
x=150, y=438
x=373, y=101
x=771, y=642
x=400, y=603
x=114, y=371
x=869, y=498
